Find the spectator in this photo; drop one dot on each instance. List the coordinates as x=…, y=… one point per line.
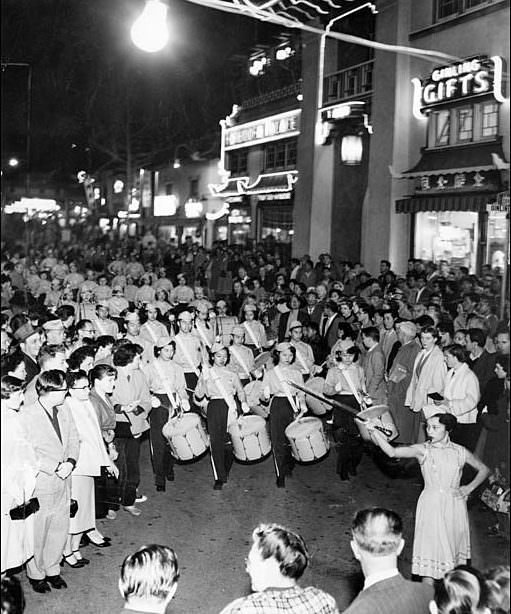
x=377, y=541
x=460, y=592
x=12, y=599
x=497, y=583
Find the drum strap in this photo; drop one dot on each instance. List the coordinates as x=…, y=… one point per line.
x=151, y=331
x=251, y=335
x=286, y=389
x=186, y=353
x=351, y=385
x=228, y=398
x=168, y=391
x=100, y=326
x=302, y=360
x=202, y=334
x=239, y=358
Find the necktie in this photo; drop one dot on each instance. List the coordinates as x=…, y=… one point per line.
x=55, y=422
x=323, y=325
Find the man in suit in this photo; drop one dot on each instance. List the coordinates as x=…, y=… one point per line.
x=481, y=361
x=312, y=310
x=373, y=364
x=329, y=324
x=52, y=432
x=377, y=541
x=30, y=342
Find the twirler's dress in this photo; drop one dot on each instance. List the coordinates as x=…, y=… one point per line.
x=442, y=538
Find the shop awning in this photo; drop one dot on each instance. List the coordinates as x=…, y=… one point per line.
x=446, y=202
x=473, y=157
x=233, y=187
x=273, y=182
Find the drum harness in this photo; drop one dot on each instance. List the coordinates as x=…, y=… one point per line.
x=302, y=360
x=252, y=336
x=287, y=391
x=176, y=408
x=186, y=353
x=228, y=398
x=239, y=358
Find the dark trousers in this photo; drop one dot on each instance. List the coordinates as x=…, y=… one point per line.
x=220, y=444
x=161, y=458
x=128, y=464
x=466, y=435
x=191, y=383
x=106, y=492
x=281, y=415
x=347, y=437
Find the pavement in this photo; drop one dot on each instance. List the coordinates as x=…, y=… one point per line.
x=210, y=532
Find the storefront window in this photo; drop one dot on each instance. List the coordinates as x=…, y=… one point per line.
x=221, y=233
x=442, y=121
x=447, y=235
x=490, y=119
x=496, y=243
x=465, y=117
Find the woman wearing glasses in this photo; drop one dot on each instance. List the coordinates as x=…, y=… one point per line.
x=93, y=456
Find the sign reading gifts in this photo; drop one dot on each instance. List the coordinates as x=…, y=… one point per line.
x=472, y=77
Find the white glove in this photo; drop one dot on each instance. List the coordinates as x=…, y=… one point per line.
x=338, y=387
x=185, y=404
x=155, y=402
x=232, y=406
x=245, y=408
x=266, y=392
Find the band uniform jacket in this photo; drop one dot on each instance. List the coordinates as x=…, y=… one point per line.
x=49, y=449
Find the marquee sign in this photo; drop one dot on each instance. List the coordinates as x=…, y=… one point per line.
x=283, y=125
x=472, y=77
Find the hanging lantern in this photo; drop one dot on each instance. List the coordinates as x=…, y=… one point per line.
x=351, y=149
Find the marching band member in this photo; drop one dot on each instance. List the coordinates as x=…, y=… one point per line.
x=167, y=384
x=242, y=357
x=102, y=323
x=54, y=331
x=219, y=385
x=133, y=334
x=254, y=330
x=224, y=323
x=202, y=328
x=181, y=294
x=346, y=383
x=188, y=351
x=152, y=330
x=86, y=306
x=304, y=356
x=286, y=404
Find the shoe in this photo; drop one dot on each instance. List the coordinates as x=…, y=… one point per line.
x=86, y=540
x=77, y=565
x=40, y=586
x=160, y=487
x=81, y=559
x=141, y=499
x=131, y=509
x=218, y=485
x=170, y=475
x=111, y=515
x=281, y=482
x=56, y=582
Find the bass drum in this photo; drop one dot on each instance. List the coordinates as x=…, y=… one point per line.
x=253, y=392
x=250, y=438
x=186, y=436
x=307, y=439
x=317, y=407
x=379, y=415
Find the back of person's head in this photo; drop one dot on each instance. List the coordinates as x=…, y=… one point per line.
x=100, y=371
x=125, y=355
x=476, y=335
x=152, y=572
x=377, y=531
x=461, y=591
x=283, y=545
x=9, y=385
x=49, y=351
x=497, y=584
x=79, y=355
x=50, y=381
x=12, y=599
x=372, y=332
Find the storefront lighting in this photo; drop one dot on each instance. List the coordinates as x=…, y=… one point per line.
x=351, y=149
x=150, y=31
x=193, y=208
x=257, y=66
x=118, y=186
x=177, y=163
x=283, y=53
x=13, y=162
x=218, y=214
x=165, y=204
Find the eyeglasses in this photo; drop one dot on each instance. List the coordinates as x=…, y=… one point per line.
x=60, y=389
x=80, y=387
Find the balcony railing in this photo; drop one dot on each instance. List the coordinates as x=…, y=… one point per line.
x=285, y=92
x=353, y=82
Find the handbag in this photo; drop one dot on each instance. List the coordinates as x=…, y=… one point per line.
x=25, y=509
x=496, y=494
x=73, y=508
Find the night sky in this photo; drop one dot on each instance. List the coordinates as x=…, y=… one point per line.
x=89, y=82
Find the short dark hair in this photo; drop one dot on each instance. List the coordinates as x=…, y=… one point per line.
x=478, y=336
x=377, y=530
x=100, y=371
x=79, y=355
x=448, y=420
x=372, y=332
x=276, y=355
x=10, y=384
x=125, y=355
x=431, y=330
x=332, y=305
x=50, y=351
x=283, y=545
x=457, y=351
x=49, y=381
x=103, y=341
x=75, y=376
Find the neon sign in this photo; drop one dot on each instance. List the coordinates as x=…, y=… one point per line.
x=472, y=77
x=272, y=128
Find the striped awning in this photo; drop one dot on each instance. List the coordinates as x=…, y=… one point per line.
x=446, y=202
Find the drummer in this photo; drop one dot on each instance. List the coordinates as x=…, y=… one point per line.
x=224, y=323
x=188, y=354
x=167, y=384
x=242, y=357
x=255, y=334
x=287, y=403
x=345, y=383
x=219, y=385
x=202, y=328
x=152, y=329
x=304, y=356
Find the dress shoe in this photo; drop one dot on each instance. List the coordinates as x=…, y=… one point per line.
x=131, y=509
x=86, y=540
x=170, y=475
x=40, y=586
x=218, y=485
x=281, y=482
x=160, y=487
x=80, y=558
x=75, y=564
x=56, y=582
x=141, y=499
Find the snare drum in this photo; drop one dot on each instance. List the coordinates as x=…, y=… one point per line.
x=186, y=436
x=378, y=415
x=307, y=439
x=250, y=439
x=317, y=407
x=253, y=392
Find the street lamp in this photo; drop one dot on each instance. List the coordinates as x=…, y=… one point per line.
x=150, y=31
x=13, y=162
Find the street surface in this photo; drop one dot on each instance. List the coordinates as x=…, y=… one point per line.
x=210, y=531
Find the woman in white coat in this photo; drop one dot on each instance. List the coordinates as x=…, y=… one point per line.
x=93, y=456
x=19, y=470
x=428, y=377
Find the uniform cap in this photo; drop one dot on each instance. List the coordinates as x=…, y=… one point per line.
x=282, y=347
x=238, y=330
x=295, y=324
x=249, y=307
x=103, y=304
x=131, y=316
x=163, y=341
x=150, y=307
x=221, y=303
x=186, y=316
x=217, y=347
x=53, y=325
x=24, y=332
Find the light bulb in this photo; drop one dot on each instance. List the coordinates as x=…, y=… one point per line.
x=150, y=32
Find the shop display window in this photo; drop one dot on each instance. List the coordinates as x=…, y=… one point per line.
x=496, y=240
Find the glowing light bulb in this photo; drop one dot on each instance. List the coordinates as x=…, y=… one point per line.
x=13, y=162
x=150, y=32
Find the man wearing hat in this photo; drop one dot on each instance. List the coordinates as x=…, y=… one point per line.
x=103, y=325
x=242, y=357
x=151, y=329
x=132, y=324
x=188, y=351
x=30, y=342
x=202, y=328
x=313, y=311
x=224, y=323
x=304, y=356
x=400, y=376
x=55, y=332
x=167, y=384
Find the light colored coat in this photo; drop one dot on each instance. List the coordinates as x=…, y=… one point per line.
x=431, y=379
x=462, y=394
